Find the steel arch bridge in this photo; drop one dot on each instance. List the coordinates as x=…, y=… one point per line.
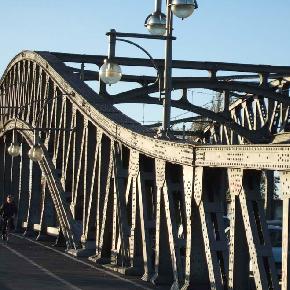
x=148, y=206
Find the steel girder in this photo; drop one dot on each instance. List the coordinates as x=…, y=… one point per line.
x=147, y=206
x=258, y=81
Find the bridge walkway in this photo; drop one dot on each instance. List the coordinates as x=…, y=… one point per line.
x=29, y=265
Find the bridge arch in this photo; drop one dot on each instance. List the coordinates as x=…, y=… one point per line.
x=147, y=205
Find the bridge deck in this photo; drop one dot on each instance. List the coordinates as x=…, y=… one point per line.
x=26, y=264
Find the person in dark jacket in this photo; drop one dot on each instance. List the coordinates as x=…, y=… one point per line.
x=8, y=210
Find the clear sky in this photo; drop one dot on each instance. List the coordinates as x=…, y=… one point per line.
x=245, y=31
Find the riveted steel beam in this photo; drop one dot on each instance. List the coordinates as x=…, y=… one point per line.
x=147, y=206
x=199, y=65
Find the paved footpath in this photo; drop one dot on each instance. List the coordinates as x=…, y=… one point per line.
x=28, y=265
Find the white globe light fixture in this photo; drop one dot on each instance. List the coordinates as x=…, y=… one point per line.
x=110, y=72
x=35, y=153
x=183, y=8
x=14, y=149
x=156, y=23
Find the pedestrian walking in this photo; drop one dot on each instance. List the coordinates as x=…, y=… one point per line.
x=8, y=211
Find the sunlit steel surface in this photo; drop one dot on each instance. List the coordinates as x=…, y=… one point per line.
x=146, y=206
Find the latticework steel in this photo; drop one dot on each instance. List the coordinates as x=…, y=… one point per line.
x=143, y=205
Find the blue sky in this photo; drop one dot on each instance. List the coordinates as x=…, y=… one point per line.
x=226, y=30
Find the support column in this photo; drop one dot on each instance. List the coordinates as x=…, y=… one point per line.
x=210, y=204
x=104, y=205
x=15, y=170
x=238, y=248
x=144, y=228
x=285, y=186
x=188, y=193
x=2, y=169
x=33, y=216
x=160, y=255
x=23, y=192
x=269, y=193
x=167, y=255
x=7, y=170
x=47, y=216
x=247, y=186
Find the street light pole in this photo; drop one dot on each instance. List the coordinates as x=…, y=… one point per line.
x=158, y=24
x=158, y=6
x=167, y=72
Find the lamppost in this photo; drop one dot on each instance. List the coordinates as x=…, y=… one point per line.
x=14, y=148
x=160, y=26
x=35, y=153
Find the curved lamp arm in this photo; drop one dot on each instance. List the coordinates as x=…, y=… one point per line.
x=147, y=53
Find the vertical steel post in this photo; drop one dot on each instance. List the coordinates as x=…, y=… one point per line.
x=167, y=71
x=111, y=55
x=2, y=169
x=183, y=131
x=285, y=178
x=226, y=95
x=112, y=44
x=158, y=5
x=82, y=74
